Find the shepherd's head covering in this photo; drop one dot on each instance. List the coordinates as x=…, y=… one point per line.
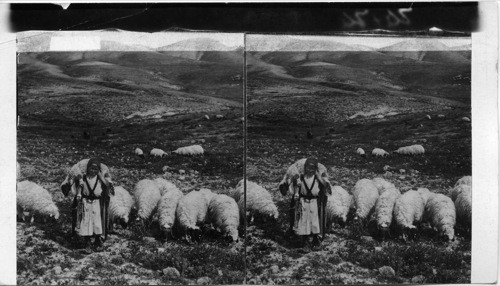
x=311, y=162
x=94, y=162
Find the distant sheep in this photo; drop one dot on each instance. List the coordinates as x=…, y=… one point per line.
x=167, y=208
x=411, y=150
x=338, y=205
x=192, y=211
x=466, y=119
x=33, y=198
x=18, y=171
x=155, y=152
x=190, y=150
x=409, y=209
x=224, y=215
x=382, y=185
x=165, y=186
x=463, y=206
x=77, y=171
x=384, y=209
x=377, y=152
x=259, y=203
x=147, y=196
x=440, y=212
x=365, y=195
x=361, y=152
x=441, y=116
x=463, y=184
x=120, y=205
x=138, y=152
x=294, y=171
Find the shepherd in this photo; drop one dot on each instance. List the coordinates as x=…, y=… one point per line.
x=93, y=195
x=309, y=217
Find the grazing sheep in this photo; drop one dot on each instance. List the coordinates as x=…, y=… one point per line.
x=440, y=212
x=33, y=198
x=466, y=180
x=361, y=152
x=147, y=195
x=224, y=214
x=259, y=204
x=463, y=206
x=411, y=150
x=192, y=211
x=384, y=209
x=167, y=207
x=120, y=205
x=219, y=116
x=456, y=191
x=409, y=210
x=294, y=171
x=78, y=171
x=382, y=185
x=379, y=152
x=165, y=186
x=365, y=195
x=190, y=150
x=338, y=205
x=139, y=152
x=155, y=152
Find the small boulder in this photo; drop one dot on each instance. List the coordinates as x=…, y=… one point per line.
x=57, y=270
x=182, y=172
x=275, y=269
x=419, y=279
x=204, y=280
x=387, y=271
x=171, y=272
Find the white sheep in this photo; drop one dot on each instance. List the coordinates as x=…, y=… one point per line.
x=190, y=150
x=382, y=185
x=147, y=195
x=440, y=212
x=120, y=205
x=192, y=211
x=361, y=152
x=463, y=207
x=411, y=150
x=33, y=198
x=457, y=190
x=466, y=119
x=409, y=209
x=167, y=208
x=77, y=171
x=294, y=171
x=156, y=152
x=165, y=186
x=365, y=195
x=138, y=152
x=338, y=205
x=379, y=152
x=384, y=209
x=224, y=215
x=465, y=180
x=259, y=202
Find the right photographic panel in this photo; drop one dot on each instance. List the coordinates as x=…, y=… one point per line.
x=358, y=158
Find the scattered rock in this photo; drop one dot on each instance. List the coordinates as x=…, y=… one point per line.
x=418, y=279
x=182, y=172
x=171, y=272
x=149, y=239
x=378, y=248
x=219, y=116
x=387, y=168
x=466, y=119
x=204, y=280
x=57, y=270
x=193, y=141
x=367, y=239
x=402, y=171
x=202, y=140
x=387, y=271
x=428, y=116
x=402, y=177
x=161, y=249
x=207, y=117
x=182, y=178
x=275, y=269
x=440, y=115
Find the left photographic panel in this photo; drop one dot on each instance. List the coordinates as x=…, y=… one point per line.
x=128, y=147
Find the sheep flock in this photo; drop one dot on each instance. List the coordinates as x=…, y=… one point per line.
x=185, y=215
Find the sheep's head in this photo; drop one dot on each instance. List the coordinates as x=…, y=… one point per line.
x=124, y=222
x=447, y=233
x=232, y=235
x=53, y=212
